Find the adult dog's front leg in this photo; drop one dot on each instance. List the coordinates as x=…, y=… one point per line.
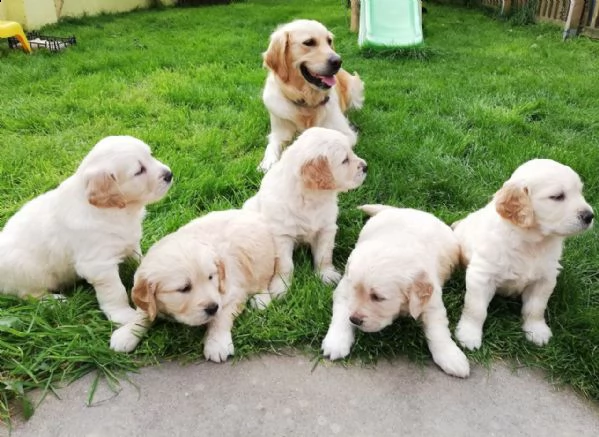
x=281, y=132
x=110, y=292
x=534, y=303
x=322, y=252
x=337, y=121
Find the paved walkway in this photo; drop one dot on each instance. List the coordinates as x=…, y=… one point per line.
x=282, y=396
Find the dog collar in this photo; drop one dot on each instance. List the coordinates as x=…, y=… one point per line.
x=302, y=103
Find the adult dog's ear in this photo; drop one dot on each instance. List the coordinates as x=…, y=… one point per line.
x=419, y=294
x=144, y=297
x=103, y=191
x=316, y=174
x=220, y=265
x=275, y=57
x=512, y=202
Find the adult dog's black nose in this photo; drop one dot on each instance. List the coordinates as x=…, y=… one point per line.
x=211, y=309
x=335, y=62
x=587, y=216
x=356, y=321
x=167, y=176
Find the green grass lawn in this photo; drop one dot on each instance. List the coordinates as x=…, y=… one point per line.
x=440, y=132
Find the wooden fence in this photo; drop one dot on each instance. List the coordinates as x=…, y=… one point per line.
x=577, y=16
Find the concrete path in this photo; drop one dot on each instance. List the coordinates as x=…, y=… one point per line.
x=282, y=396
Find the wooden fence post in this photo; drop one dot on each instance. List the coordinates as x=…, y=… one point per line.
x=505, y=8
x=355, y=16
x=574, y=17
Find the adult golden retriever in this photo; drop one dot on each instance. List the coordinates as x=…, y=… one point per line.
x=306, y=86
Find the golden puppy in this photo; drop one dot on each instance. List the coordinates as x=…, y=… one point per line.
x=298, y=198
x=306, y=86
x=514, y=244
x=398, y=267
x=203, y=274
x=85, y=227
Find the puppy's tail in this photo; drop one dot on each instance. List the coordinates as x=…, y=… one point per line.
x=350, y=89
x=374, y=209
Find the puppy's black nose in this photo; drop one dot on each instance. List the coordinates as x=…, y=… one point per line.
x=587, y=216
x=335, y=62
x=167, y=176
x=356, y=321
x=211, y=309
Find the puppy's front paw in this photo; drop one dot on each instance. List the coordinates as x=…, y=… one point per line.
x=260, y=301
x=124, y=339
x=337, y=343
x=453, y=361
x=538, y=332
x=468, y=334
x=267, y=162
x=121, y=316
x=329, y=275
x=218, y=347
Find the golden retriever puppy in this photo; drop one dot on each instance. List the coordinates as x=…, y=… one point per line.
x=298, y=198
x=513, y=245
x=202, y=274
x=306, y=86
x=398, y=267
x=86, y=226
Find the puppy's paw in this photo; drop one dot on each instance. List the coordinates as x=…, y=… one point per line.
x=260, y=301
x=124, y=339
x=267, y=162
x=337, y=344
x=218, y=347
x=538, y=332
x=453, y=361
x=121, y=316
x=469, y=335
x=329, y=275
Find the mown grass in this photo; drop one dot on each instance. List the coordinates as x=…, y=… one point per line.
x=441, y=132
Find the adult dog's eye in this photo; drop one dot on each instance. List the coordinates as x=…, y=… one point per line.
x=185, y=289
x=310, y=42
x=141, y=171
x=376, y=298
x=346, y=161
x=558, y=197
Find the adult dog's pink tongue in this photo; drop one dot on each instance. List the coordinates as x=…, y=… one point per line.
x=328, y=80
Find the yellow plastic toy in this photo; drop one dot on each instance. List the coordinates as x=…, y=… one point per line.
x=12, y=28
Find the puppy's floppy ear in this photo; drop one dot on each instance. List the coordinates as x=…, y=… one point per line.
x=220, y=265
x=103, y=191
x=144, y=297
x=316, y=174
x=512, y=202
x=275, y=57
x=419, y=294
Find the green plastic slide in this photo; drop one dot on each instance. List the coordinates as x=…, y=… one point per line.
x=390, y=23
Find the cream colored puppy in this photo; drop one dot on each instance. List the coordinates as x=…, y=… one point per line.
x=398, y=267
x=298, y=198
x=514, y=244
x=202, y=275
x=306, y=86
x=86, y=226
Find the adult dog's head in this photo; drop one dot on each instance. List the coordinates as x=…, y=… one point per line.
x=383, y=283
x=180, y=277
x=322, y=159
x=302, y=51
x=545, y=195
x=120, y=171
